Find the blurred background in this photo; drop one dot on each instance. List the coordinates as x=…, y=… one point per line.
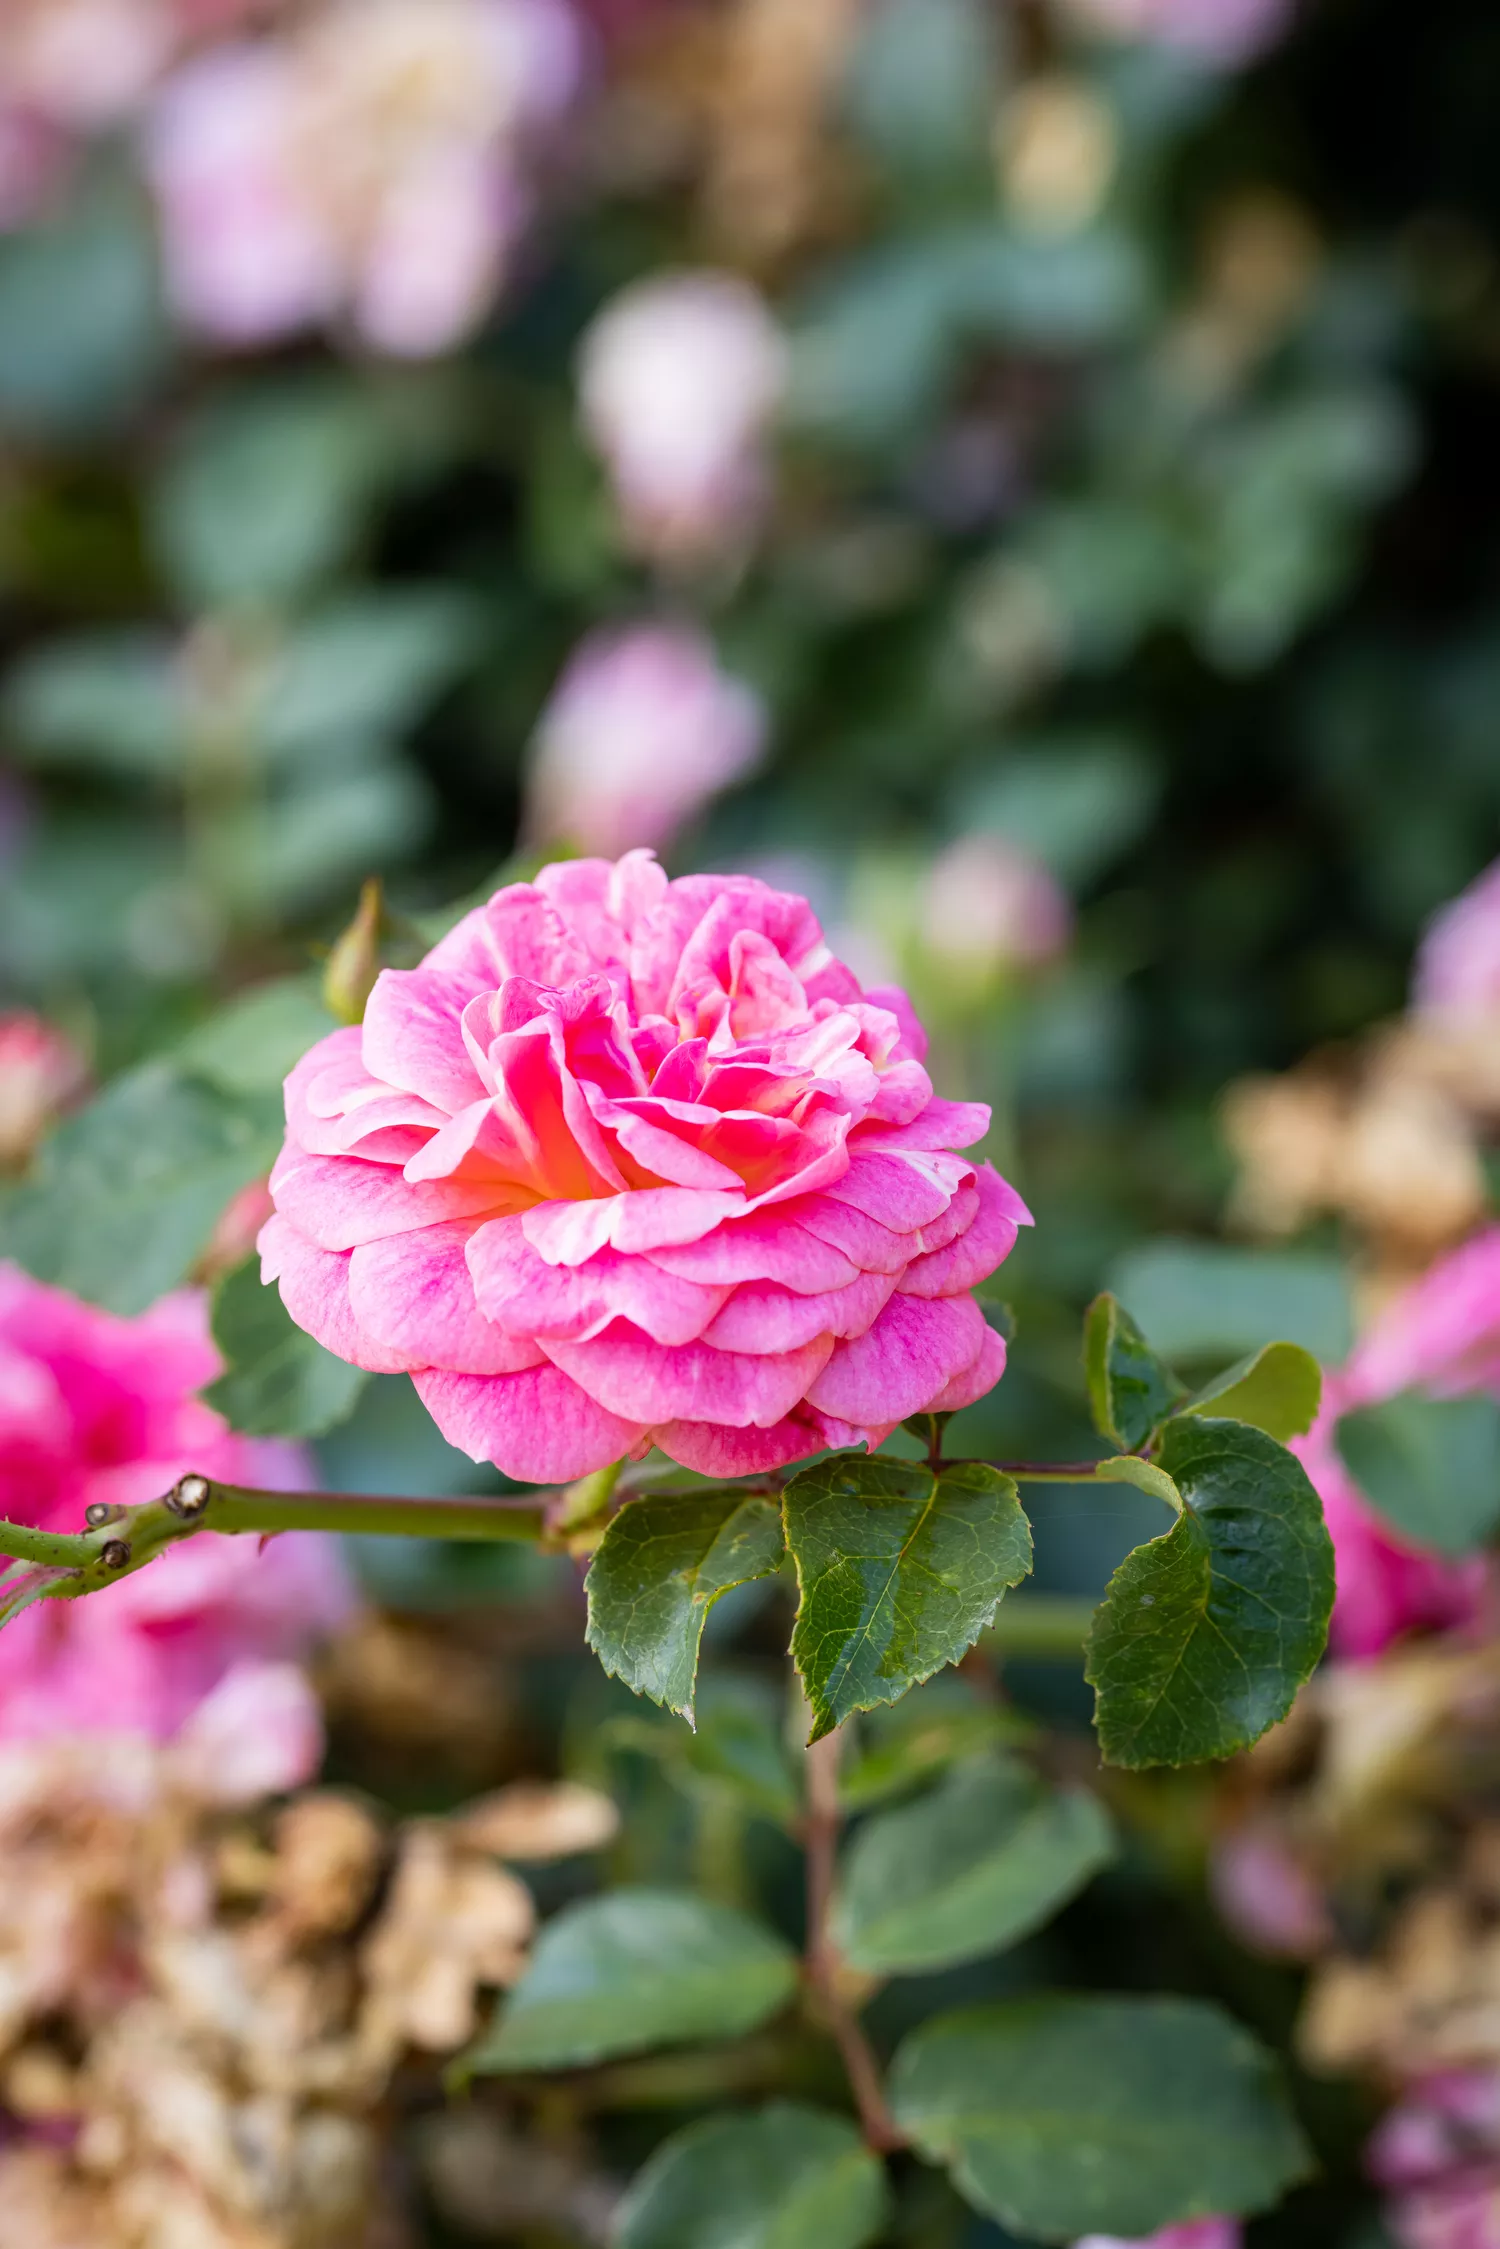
x=1025, y=473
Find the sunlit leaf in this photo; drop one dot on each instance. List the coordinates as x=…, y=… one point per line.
x=900, y=1572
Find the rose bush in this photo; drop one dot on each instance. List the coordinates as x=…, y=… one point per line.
x=100, y=1410
x=629, y=1162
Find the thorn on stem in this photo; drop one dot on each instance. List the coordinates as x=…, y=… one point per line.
x=114, y=1554
x=188, y=1498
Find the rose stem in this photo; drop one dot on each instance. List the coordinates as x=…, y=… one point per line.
x=820, y=1835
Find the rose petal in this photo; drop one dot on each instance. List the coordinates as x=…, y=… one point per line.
x=537, y=1426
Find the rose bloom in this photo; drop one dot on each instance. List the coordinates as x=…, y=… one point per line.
x=630, y=1162
x=95, y=1408
x=1198, y=2233
x=642, y=729
x=679, y=378
x=1458, y=961
x=41, y=1070
x=370, y=163
x=1441, y=1335
x=1222, y=32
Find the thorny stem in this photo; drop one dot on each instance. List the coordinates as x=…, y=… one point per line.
x=820, y=1836
x=120, y=1541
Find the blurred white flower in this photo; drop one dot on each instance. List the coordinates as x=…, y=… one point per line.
x=642, y=730
x=988, y=906
x=1222, y=32
x=371, y=163
x=680, y=376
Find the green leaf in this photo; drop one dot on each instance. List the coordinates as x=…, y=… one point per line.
x=1063, y=2116
x=1430, y=1466
x=900, y=1572
x=1145, y=1475
x=1205, y=1635
x=787, y=2177
x=980, y=1862
x=635, y=1969
x=1277, y=1388
x=1131, y=1390
x=126, y=1192
x=662, y=1564
x=107, y=701
x=277, y=1381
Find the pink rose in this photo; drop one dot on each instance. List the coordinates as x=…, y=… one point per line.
x=41, y=1070
x=95, y=1408
x=1198, y=2233
x=642, y=730
x=1458, y=961
x=679, y=379
x=1442, y=1335
x=1267, y=1896
x=631, y=1162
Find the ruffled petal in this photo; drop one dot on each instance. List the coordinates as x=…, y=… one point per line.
x=315, y=1290
x=538, y=1426
x=907, y=1359
x=766, y=1247
x=413, y=1292
x=518, y=1288
x=976, y=1379
x=986, y=1243
x=653, y=1383
x=413, y=1036
x=759, y=1316
x=339, y=1202
x=710, y=1450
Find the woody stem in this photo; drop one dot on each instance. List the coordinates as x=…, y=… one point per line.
x=820, y=1835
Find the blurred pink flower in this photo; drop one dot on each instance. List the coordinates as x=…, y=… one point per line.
x=627, y=1161
x=371, y=163
x=1266, y=1895
x=1458, y=961
x=1222, y=32
x=1197, y=2233
x=1442, y=1335
x=1437, y=2155
x=989, y=906
x=679, y=378
x=40, y=1072
x=95, y=1408
x=642, y=730
x=82, y=63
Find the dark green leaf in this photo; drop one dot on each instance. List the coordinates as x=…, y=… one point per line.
x=1277, y=1388
x=1205, y=1635
x=1430, y=1466
x=277, y=1381
x=636, y=1969
x=900, y=1572
x=787, y=2177
x=1063, y=2116
x=982, y=1861
x=662, y=1564
x=1131, y=1391
x=127, y=1192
